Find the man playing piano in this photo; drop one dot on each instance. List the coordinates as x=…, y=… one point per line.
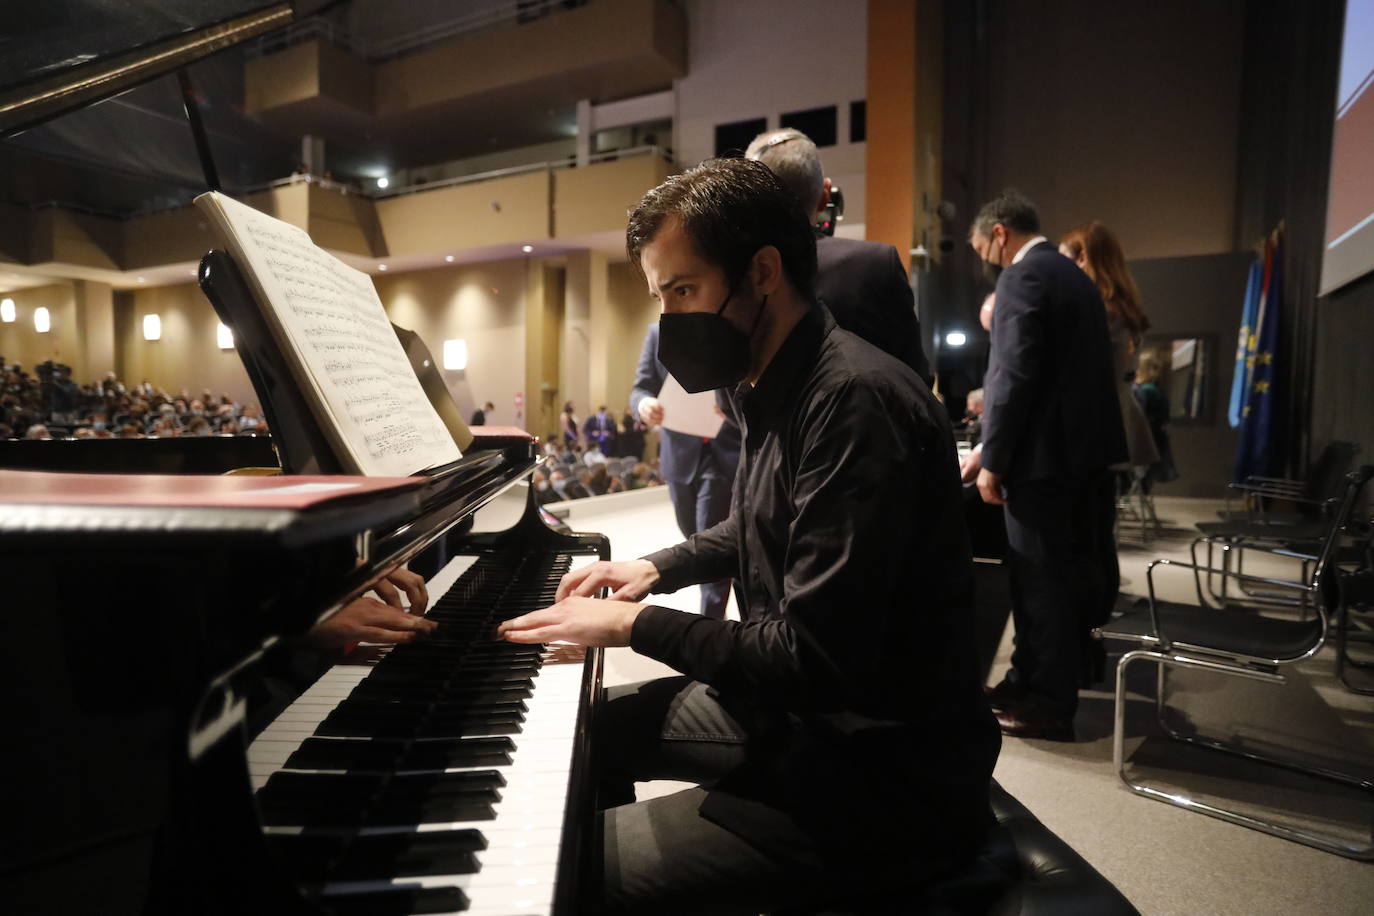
x=838, y=734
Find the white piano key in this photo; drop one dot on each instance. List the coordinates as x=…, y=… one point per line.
x=520, y=864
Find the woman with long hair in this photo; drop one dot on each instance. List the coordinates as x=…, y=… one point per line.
x=1094, y=248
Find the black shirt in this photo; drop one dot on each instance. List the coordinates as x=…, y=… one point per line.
x=856, y=654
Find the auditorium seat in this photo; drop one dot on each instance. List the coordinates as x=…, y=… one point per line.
x=1023, y=869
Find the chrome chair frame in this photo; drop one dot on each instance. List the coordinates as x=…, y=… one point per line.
x=1166, y=653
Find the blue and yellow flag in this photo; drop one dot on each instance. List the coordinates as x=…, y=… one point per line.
x=1245, y=342
x=1255, y=453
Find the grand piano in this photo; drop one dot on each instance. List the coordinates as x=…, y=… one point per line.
x=153, y=762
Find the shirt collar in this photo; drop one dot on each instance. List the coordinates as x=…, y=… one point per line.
x=1027, y=247
x=789, y=365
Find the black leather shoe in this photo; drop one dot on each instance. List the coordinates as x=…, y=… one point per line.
x=1004, y=695
x=1027, y=721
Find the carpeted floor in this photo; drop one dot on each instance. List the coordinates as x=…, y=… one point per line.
x=1166, y=860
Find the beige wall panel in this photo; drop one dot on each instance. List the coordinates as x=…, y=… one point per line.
x=185, y=235
x=345, y=222
x=15, y=233
x=599, y=197
x=480, y=303
x=345, y=78
x=188, y=355
x=556, y=46
x=279, y=79
x=631, y=312
x=165, y=238
x=76, y=238
x=500, y=211
x=20, y=343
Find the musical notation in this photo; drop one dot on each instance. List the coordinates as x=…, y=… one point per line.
x=336, y=326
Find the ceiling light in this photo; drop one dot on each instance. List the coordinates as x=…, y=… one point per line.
x=383, y=181
x=449, y=258
x=7, y=311
x=455, y=354
x=224, y=337
x=956, y=338
x=142, y=279
x=527, y=248
x=381, y=267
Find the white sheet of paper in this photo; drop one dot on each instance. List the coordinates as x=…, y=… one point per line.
x=693, y=414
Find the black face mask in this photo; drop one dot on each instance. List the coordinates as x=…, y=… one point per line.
x=703, y=350
x=992, y=271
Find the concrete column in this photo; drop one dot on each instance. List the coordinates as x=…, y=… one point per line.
x=585, y=348
x=584, y=133
x=312, y=154
x=95, y=329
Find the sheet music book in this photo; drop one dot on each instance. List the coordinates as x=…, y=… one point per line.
x=331, y=328
x=693, y=414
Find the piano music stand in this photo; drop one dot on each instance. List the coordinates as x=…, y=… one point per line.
x=302, y=446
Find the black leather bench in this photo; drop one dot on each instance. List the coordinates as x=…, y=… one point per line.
x=1023, y=869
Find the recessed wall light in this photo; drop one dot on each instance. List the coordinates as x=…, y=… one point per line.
x=152, y=327
x=224, y=337
x=455, y=354
x=7, y=311
x=42, y=323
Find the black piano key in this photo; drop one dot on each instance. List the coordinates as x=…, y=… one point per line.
x=465, y=752
x=410, y=855
x=398, y=901
x=489, y=725
x=339, y=754
x=434, y=785
x=308, y=856
x=433, y=811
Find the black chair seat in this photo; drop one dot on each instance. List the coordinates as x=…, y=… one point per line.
x=1217, y=629
x=1022, y=869
x=1308, y=529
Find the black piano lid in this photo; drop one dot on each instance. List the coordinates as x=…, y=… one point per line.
x=59, y=55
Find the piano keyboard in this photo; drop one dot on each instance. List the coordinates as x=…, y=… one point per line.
x=433, y=780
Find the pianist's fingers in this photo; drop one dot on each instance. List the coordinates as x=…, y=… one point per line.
x=584, y=621
x=388, y=593
x=413, y=584
x=573, y=579
x=369, y=620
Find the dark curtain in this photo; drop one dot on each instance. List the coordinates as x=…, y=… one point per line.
x=1291, y=62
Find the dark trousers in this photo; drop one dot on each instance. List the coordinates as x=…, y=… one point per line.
x=699, y=504
x=1062, y=566
x=661, y=856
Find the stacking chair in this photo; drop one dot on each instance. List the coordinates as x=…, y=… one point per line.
x=1297, y=535
x=1357, y=594
x=1242, y=644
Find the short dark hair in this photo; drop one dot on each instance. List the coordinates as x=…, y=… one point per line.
x=1012, y=209
x=730, y=208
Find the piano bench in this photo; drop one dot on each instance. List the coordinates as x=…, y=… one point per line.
x=1022, y=870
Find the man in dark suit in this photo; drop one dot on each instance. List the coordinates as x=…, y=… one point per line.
x=699, y=472
x=599, y=430
x=864, y=284
x=1051, y=428
x=479, y=416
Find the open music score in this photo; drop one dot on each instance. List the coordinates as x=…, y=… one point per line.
x=331, y=327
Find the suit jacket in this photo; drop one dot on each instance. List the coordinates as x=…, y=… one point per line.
x=1050, y=406
x=683, y=458
x=865, y=287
